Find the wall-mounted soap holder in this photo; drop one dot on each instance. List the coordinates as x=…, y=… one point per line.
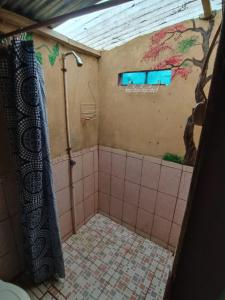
x=88, y=111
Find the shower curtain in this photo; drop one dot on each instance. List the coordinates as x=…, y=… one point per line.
x=22, y=92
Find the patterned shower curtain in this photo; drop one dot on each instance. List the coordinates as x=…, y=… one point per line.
x=22, y=92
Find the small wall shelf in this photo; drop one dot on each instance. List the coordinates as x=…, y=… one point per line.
x=88, y=111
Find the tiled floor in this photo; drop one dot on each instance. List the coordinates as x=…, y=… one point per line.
x=106, y=261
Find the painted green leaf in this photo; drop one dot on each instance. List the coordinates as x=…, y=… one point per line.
x=55, y=49
x=39, y=57
x=54, y=53
x=29, y=37
x=185, y=45
x=186, y=64
x=51, y=59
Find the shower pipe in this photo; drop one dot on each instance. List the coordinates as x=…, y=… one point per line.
x=65, y=17
x=68, y=138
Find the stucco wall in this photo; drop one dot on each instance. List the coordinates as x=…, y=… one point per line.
x=82, y=86
x=145, y=123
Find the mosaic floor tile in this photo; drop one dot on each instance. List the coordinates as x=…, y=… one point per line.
x=32, y=296
x=118, y=292
x=48, y=296
x=135, y=276
x=105, y=261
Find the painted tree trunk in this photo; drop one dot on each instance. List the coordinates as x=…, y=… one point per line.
x=190, y=155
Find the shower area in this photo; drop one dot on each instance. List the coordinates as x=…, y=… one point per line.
x=117, y=202
x=119, y=212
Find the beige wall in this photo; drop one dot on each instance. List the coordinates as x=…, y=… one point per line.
x=82, y=84
x=82, y=88
x=145, y=123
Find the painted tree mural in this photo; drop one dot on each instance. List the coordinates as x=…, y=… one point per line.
x=172, y=43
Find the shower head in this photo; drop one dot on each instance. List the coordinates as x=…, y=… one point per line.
x=77, y=57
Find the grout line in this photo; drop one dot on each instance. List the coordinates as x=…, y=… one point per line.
x=53, y=294
x=142, y=185
x=153, y=277
x=157, y=191
x=181, y=175
x=82, y=178
x=119, y=199
x=47, y=292
x=124, y=186
x=139, y=194
x=110, y=178
x=60, y=215
x=123, y=192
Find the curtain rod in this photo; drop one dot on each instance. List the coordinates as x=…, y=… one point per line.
x=63, y=18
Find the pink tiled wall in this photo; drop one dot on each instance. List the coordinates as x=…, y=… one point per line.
x=144, y=193
x=85, y=189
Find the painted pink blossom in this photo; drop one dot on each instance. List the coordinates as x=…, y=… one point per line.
x=182, y=72
x=154, y=52
x=159, y=36
x=159, y=44
x=174, y=60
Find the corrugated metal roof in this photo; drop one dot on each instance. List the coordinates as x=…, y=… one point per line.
x=113, y=27
x=40, y=10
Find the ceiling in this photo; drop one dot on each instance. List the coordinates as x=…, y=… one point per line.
x=112, y=27
x=40, y=10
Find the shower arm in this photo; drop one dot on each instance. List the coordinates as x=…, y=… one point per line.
x=77, y=57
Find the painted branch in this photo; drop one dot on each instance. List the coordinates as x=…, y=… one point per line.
x=200, y=97
x=209, y=77
x=209, y=53
x=203, y=79
x=196, y=62
x=194, y=29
